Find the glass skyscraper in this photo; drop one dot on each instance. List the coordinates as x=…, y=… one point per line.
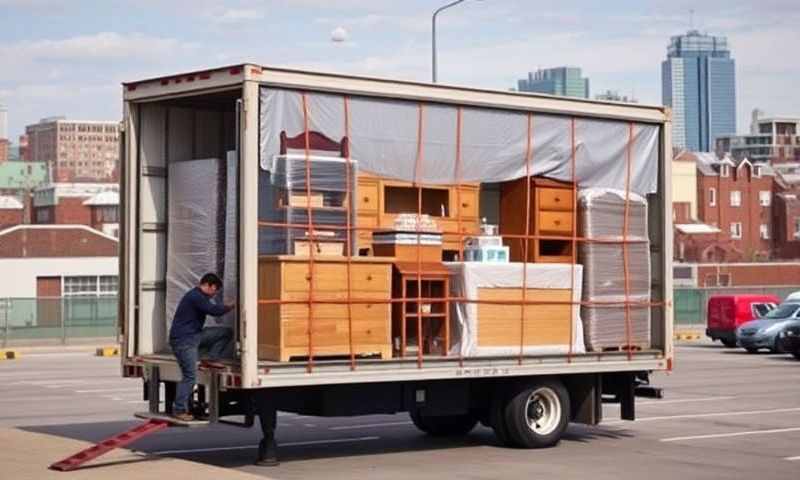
x=564, y=81
x=698, y=81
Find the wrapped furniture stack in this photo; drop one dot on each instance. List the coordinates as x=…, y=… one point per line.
x=607, y=326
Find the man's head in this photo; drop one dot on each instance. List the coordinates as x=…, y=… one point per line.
x=210, y=284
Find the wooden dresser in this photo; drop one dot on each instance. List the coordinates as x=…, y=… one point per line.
x=380, y=200
x=283, y=329
x=552, y=212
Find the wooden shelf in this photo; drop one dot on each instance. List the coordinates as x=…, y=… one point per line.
x=426, y=315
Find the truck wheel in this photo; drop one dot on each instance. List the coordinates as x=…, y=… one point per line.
x=538, y=414
x=443, y=425
x=497, y=418
x=729, y=343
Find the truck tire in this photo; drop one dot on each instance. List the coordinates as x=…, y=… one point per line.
x=444, y=425
x=497, y=417
x=537, y=415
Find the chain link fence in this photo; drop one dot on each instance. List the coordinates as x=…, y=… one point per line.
x=690, y=303
x=58, y=320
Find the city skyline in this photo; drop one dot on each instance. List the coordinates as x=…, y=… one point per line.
x=619, y=45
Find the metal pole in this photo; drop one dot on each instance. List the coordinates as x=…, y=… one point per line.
x=433, y=35
x=63, y=321
x=6, y=303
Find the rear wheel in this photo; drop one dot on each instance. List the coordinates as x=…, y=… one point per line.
x=443, y=425
x=729, y=343
x=537, y=415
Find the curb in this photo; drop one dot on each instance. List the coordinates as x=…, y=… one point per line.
x=9, y=355
x=688, y=336
x=107, y=352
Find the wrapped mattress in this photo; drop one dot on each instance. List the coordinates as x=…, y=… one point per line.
x=202, y=234
x=602, y=217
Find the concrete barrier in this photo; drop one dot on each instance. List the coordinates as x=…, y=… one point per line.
x=107, y=352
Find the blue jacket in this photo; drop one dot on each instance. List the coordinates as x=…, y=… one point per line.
x=191, y=315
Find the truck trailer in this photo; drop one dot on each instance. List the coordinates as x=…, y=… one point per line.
x=277, y=171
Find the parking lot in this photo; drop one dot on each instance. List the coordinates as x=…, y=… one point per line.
x=726, y=414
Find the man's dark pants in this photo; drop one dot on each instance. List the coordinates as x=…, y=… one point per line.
x=214, y=340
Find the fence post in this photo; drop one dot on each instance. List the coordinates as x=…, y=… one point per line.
x=63, y=308
x=6, y=303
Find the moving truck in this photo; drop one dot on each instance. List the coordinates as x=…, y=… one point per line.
x=428, y=147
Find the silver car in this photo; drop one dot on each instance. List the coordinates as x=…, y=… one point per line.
x=763, y=333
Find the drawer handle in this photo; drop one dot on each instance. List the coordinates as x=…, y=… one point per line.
x=366, y=199
x=557, y=199
x=464, y=205
x=369, y=277
x=308, y=277
x=557, y=222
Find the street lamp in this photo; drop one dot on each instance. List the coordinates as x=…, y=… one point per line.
x=433, y=32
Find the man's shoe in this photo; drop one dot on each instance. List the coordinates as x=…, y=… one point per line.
x=184, y=417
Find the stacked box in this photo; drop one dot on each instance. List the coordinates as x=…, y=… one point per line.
x=607, y=325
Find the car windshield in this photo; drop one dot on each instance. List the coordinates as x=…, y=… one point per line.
x=783, y=311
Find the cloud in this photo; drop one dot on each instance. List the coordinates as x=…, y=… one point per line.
x=233, y=16
x=101, y=46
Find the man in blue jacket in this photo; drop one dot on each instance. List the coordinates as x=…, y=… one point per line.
x=187, y=337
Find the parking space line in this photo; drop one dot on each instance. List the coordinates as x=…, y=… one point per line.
x=734, y=434
x=791, y=459
x=288, y=444
x=370, y=425
x=106, y=390
x=681, y=400
x=703, y=415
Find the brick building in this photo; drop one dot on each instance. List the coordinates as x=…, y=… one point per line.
x=68, y=203
x=51, y=262
x=75, y=150
x=771, y=140
x=104, y=212
x=736, y=197
x=11, y=211
x=24, y=151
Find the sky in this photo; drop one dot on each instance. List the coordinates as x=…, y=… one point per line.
x=68, y=57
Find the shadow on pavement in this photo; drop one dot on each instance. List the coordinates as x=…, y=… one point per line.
x=223, y=446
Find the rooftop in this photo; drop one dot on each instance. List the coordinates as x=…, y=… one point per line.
x=696, y=228
x=109, y=197
x=10, y=203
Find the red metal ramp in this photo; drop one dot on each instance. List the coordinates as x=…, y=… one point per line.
x=117, y=441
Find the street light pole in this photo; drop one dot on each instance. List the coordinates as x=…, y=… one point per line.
x=433, y=33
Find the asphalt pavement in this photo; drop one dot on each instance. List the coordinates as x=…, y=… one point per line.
x=726, y=414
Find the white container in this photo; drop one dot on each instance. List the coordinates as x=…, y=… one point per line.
x=489, y=254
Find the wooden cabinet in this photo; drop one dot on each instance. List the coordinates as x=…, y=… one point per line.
x=380, y=200
x=287, y=331
x=421, y=324
x=552, y=212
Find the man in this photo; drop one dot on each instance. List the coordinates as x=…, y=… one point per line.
x=187, y=337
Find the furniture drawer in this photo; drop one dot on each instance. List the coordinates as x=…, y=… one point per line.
x=335, y=332
x=361, y=312
x=329, y=277
x=366, y=221
x=554, y=199
x=555, y=222
x=367, y=201
x=467, y=203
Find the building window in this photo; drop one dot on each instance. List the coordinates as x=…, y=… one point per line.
x=91, y=285
x=765, y=198
x=712, y=197
x=764, y=230
x=736, y=198
x=725, y=170
x=757, y=171
x=797, y=227
x=43, y=215
x=736, y=230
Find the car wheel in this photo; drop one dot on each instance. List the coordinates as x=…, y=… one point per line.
x=444, y=425
x=729, y=343
x=751, y=350
x=776, y=348
x=537, y=415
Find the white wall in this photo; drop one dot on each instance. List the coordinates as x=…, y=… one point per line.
x=18, y=275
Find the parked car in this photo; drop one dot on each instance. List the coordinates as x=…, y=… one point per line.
x=728, y=312
x=789, y=340
x=793, y=297
x=763, y=333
